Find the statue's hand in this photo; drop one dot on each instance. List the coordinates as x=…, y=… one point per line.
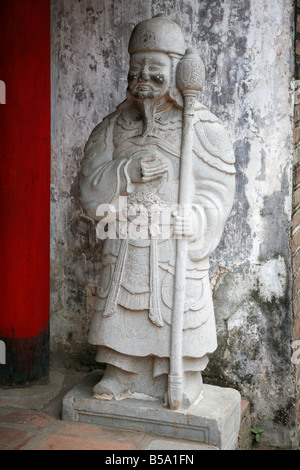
x=185, y=224
x=135, y=171
x=152, y=168
x=147, y=168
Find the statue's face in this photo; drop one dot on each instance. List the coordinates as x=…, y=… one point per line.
x=149, y=74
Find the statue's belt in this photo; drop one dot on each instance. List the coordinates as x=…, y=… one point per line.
x=147, y=200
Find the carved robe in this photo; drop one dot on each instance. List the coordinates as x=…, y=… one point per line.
x=133, y=309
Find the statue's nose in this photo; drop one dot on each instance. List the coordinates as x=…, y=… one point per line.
x=144, y=75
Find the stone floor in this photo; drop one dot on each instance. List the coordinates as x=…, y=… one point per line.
x=30, y=419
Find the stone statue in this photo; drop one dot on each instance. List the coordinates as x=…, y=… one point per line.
x=133, y=171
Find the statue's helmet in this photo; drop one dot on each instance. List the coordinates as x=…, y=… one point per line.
x=157, y=34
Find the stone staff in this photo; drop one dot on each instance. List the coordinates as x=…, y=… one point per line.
x=190, y=79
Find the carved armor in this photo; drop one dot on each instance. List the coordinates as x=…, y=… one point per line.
x=138, y=275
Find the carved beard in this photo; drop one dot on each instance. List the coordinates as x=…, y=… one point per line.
x=147, y=109
x=147, y=100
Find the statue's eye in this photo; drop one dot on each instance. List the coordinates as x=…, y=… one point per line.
x=134, y=68
x=153, y=68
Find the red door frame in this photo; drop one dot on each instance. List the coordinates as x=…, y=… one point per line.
x=25, y=189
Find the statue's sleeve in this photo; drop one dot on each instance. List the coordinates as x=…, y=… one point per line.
x=102, y=177
x=214, y=185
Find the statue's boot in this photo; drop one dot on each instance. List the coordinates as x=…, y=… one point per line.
x=192, y=388
x=114, y=382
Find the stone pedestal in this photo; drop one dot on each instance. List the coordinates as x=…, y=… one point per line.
x=215, y=420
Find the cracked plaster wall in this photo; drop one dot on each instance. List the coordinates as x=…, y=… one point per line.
x=247, y=48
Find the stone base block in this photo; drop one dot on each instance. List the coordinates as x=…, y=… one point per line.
x=215, y=420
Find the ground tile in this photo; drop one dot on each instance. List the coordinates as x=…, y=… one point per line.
x=28, y=418
x=64, y=442
x=13, y=438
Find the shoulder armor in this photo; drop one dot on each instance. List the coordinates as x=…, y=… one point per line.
x=99, y=142
x=99, y=132
x=212, y=143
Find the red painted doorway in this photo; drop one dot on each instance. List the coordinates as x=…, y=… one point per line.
x=24, y=190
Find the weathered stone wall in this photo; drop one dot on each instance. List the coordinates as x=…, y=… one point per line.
x=247, y=48
x=296, y=216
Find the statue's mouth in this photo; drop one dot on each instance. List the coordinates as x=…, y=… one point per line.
x=143, y=88
x=146, y=87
